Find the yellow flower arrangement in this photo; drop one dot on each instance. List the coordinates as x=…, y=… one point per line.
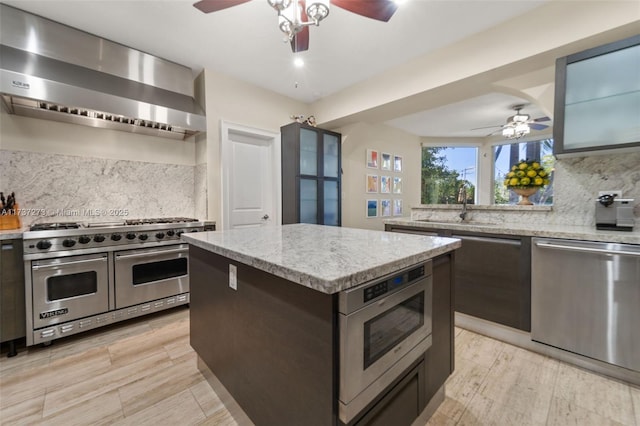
x=527, y=174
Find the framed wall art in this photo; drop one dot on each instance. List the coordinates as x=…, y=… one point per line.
x=372, y=159
x=372, y=208
x=397, y=207
x=397, y=185
x=372, y=183
x=397, y=163
x=386, y=161
x=385, y=208
x=385, y=184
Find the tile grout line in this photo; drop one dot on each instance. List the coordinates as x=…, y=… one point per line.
x=553, y=393
x=634, y=408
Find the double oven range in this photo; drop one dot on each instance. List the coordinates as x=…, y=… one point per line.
x=83, y=276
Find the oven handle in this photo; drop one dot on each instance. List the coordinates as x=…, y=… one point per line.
x=155, y=253
x=62, y=264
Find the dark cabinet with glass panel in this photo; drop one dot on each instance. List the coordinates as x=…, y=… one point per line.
x=311, y=175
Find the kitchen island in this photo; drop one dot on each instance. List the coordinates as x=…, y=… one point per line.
x=266, y=321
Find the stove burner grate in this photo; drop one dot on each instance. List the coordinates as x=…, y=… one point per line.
x=54, y=226
x=160, y=220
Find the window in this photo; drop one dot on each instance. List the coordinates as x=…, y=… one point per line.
x=505, y=156
x=444, y=172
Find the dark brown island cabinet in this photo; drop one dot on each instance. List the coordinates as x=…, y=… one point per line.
x=275, y=344
x=311, y=175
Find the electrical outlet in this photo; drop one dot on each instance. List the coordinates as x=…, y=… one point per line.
x=616, y=192
x=233, y=277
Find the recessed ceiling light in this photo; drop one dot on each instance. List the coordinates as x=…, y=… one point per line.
x=298, y=62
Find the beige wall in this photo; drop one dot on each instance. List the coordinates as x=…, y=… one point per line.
x=231, y=100
x=356, y=139
x=44, y=136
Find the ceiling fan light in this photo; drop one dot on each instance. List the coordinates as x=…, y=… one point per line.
x=285, y=25
x=509, y=132
x=317, y=10
x=520, y=118
x=279, y=5
x=289, y=19
x=522, y=129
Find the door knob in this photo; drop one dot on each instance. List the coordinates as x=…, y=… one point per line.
x=265, y=217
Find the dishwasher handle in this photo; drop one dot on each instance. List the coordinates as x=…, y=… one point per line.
x=586, y=249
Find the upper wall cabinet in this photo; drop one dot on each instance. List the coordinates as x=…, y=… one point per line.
x=597, y=99
x=311, y=175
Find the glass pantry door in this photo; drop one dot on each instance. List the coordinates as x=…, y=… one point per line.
x=308, y=152
x=331, y=149
x=331, y=202
x=308, y=200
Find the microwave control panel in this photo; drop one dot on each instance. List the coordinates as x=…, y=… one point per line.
x=390, y=284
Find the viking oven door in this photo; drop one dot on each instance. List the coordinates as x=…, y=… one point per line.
x=385, y=326
x=69, y=288
x=144, y=275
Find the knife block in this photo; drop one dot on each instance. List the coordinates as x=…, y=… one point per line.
x=11, y=221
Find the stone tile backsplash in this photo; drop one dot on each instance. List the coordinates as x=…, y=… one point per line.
x=52, y=187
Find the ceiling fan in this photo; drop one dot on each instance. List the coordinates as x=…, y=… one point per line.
x=518, y=125
x=295, y=16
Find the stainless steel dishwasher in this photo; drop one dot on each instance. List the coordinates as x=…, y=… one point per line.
x=585, y=298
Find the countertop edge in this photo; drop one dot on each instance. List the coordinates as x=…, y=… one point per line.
x=320, y=284
x=12, y=234
x=570, y=232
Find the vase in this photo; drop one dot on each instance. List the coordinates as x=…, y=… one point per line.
x=525, y=193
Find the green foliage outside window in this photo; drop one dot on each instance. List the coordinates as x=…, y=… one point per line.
x=441, y=185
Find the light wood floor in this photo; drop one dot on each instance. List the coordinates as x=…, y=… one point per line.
x=144, y=373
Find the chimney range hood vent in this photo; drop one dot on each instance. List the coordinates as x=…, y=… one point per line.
x=55, y=72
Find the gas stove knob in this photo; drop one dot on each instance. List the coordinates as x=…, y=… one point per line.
x=116, y=237
x=160, y=235
x=131, y=236
x=180, y=232
x=69, y=243
x=143, y=236
x=171, y=233
x=98, y=238
x=43, y=245
x=84, y=239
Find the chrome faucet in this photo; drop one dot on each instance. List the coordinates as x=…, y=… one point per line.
x=462, y=197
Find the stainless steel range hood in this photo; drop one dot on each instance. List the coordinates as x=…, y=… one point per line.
x=55, y=72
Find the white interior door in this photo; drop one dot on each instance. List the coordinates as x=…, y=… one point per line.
x=250, y=177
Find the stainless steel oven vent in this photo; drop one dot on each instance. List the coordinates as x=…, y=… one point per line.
x=55, y=72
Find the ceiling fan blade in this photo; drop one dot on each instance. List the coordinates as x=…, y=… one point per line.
x=495, y=132
x=380, y=10
x=208, y=6
x=535, y=126
x=300, y=41
x=486, y=127
x=538, y=120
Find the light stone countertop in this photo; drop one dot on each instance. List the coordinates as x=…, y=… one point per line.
x=12, y=234
x=572, y=232
x=325, y=258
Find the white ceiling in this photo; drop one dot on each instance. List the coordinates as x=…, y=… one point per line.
x=244, y=42
x=468, y=118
